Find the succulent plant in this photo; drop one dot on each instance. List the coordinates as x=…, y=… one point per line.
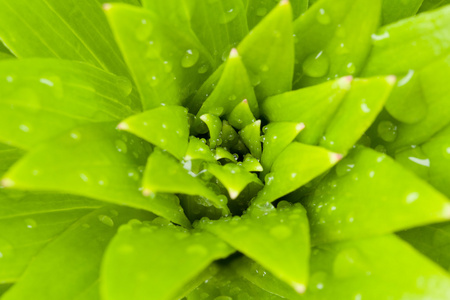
x=224, y=149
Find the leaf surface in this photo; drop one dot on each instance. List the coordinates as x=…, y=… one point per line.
x=395, y=10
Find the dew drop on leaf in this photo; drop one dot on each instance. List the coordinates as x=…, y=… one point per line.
x=203, y=69
x=30, y=223
x=323, y=17
x=345, y=167
x=197, y=250
x=144, y=30
x=190, y=58
x=106, y=220
x=387, y=131
x=153, y=50
x=261, y=12
x=121, y=146
x=281, y=232
x=316, y=65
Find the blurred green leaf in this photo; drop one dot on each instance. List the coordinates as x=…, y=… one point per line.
x=251, y=164
x=168, y=63
x=29, y=221
x=214, y=125
x=432, y=4
x=241, y=115
x=432, y=240
x=165, y=174
x=8, y=156
x=41, y=98
x=332, y=39
x=233, y=87
x=356, y=113
x=268, y=52
x=70, y=29
x=176, y=12
x=294, y=167
x=378, y=268
x=156, y=261
x=313, y=106
x=234, y=177
x=197, y=149
x=96, y=161
x=250, y=135
x=393, y=199
x=278, y=239
x=69, y=266
x=166, y=127
x=395, y=10
x=258, y=9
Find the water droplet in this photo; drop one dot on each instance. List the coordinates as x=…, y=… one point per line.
x=345, y=167
x=190, y=58
x=124, y=85
x=203, y=69
x=84, y=177
x=75, y=135
x=153, y=80
x=387, y=131
x=264, y=68
x=411, y=197
x=153, y=50
x=349, y=262
x=351, y=69
x=281, y=232
x=85, y=226
x=318, y=279
x=24, y=128
x=46, y=82
x=167, y=66
x=340, y=31
x=228, y=15
x=261, y=12
x=144, y=30
x=30, y=223
x=197, y=249
x=316, y=65
x=323, y=17
x=364, y=107
x=380, y=148
x=6, y=249
x=121, y=146
x=106, y=220
x=9, y=79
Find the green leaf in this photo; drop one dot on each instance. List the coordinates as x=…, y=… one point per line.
x=234, y=177
x=69, y=266
x=250, y=135
x=313, y=106
x=214, y=125
x=168, y=63
x=233, y=87
x=221, y=153
x=166, y=127
x=394, y=199
x=165, y=174
x=197, y=149
x=356, y=113
x=432, y=4
x=277, y=136
x=42, y=98
x=378, y=268
x=395, y=10
x=263, y=278
x=156, y=261
x=251, y=164
x=258, y=9
x=220, y=25
x=333, y=39
x=294, y=167
x=95, y=161
x=268, y=52
x=278, y=239
x=431, y=160
x=420, y=40
x=432, y=241
x=176, y=12
x=241, y=115
x=30, y=221
x=8, y=156
x=72, y=29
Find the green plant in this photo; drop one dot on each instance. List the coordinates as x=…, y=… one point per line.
x=224, y=149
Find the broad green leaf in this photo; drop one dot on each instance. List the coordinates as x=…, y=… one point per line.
x=263, y=278
x=29, y=221
x=156, y=260
x=95, y=161
x=70, y=265
x=166, y=127
x=70, y=29
x=395, y=10
x=168, y=63
x=356, y=113
x=197, y=149
x=165, y=174
x=41, y=98
x=420, y=40
x=436, y=95
x=313, y=106
x=432, y=4
x=233, y=87
x=393, y=199
x=241, y=115
x=268, y=52
x=432, y=240
x=220, y=25
x=257, y=9
x=214, y=125
x=431, y=160
x=333, y=39
x=226, y=285
x=294, y=167
x=378, y=268
x=278, y=239
x=234, y=177
x=251, y=164
x=277, y=136
x=250, y=135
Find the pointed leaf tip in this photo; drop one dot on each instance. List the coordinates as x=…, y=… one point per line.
x=123, y=126
x=391, y=79
x=345, y=82
x=335, y=157
x=234, y=53
x=6, y=182
x=147, y=192
x=300, y=127
x=299, y=287
x=233, y=194
x=284, y=2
